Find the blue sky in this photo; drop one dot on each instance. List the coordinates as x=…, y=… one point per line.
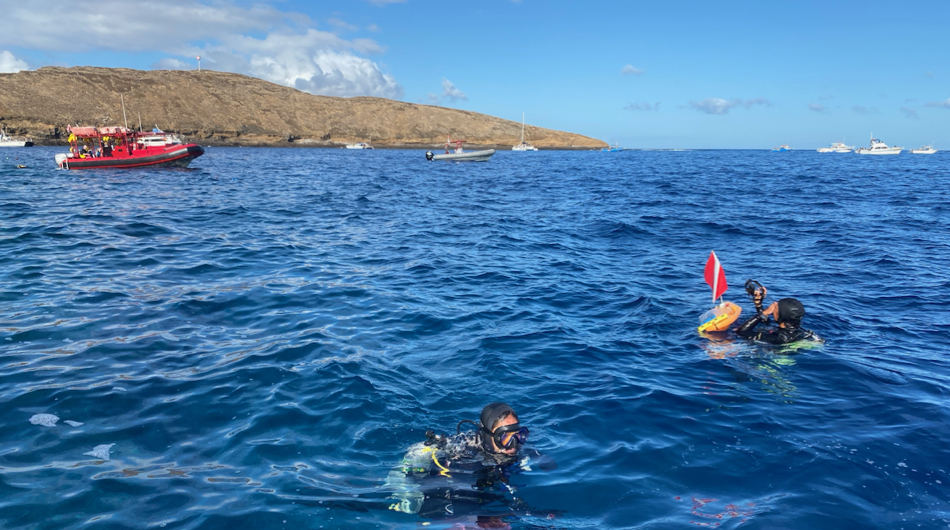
x=658, y=74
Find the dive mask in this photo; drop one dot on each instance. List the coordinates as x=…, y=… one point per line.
x=509, y=436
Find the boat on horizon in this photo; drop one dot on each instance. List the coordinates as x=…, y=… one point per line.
x=925, y=150
x=781, y=149
x=523, y=146
x=878, y=147
x=119, y=147
x=359, y=145
x=13, y=141
x=837, y=147
x=460, y=155
x=614, y=149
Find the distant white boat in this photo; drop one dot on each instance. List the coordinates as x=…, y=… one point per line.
x=837, y=147
x=459, y=155
x=10, y=141
x=360, y=145
x=879, y=148
x=925, y=150
x=523, y=146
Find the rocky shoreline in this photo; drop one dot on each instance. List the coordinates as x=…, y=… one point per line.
x=224, y=109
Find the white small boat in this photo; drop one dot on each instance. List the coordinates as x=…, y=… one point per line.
x=459, y=155
x=360, y=145
x=925, y=150
x=837, y=147
x=11, y=141
x=879, y=148
x=523, y=146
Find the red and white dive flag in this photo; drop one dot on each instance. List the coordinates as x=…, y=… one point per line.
x=715, y=276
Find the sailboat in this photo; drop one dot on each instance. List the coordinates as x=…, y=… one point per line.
x=9, y=141
x=523, y=146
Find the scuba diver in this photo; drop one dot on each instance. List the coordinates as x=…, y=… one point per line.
x=787, y=312
x=466, y=473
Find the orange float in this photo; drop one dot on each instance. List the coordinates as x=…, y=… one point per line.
x=719, y=318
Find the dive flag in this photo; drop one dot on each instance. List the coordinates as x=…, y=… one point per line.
x=715, y=276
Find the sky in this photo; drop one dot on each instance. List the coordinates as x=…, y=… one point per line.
x=670, y=74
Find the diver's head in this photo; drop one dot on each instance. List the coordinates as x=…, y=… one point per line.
x=790, y=312
x=500, y=431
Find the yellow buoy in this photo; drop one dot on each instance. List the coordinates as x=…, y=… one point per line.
x=719, y=318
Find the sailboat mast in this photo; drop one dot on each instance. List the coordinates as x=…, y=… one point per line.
x=123, y=111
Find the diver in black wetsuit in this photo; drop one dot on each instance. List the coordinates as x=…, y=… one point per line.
x=787, y=312
x=467, y=471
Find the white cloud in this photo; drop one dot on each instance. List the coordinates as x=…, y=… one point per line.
x=374, y=28
x=173, y=64
x=910, y=113
x=715, y=105
x=631, y=70
x=147, y=25
x=723, y=106
x=451, y=92
x=862, y=110
x=643, y=106
x=10, y=64
x=342, y=25
x=818, y=108
x=315, y=62
x=939, y=104
x=284, y=50
x=749, y=103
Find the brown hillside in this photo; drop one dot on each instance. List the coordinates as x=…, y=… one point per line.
x=217, y=108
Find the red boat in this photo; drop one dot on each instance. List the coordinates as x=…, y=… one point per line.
x=119, y=147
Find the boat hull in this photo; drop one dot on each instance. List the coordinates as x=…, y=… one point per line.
x=177, y=157
x=470, y=156
x=16, y=143
x=924, y=151
x=892, y=151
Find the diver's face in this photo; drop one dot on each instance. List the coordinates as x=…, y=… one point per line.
x=510, y=420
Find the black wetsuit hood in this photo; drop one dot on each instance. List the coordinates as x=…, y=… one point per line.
x=491, y=414
x=790, y=312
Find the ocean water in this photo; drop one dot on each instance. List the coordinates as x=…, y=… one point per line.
x=255, y=341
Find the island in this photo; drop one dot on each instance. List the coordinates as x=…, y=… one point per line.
x=226, y=109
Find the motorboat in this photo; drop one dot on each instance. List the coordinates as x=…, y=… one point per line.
x=360, y=145
x=837, y=147
x=120, y=147
x=612, y=149
x=460, y=155
x=925, y=150
x=523, y=146
x=878, y=147
x=781, y=149
x=14, y=141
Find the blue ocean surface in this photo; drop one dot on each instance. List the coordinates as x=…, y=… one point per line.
x=255, y=341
